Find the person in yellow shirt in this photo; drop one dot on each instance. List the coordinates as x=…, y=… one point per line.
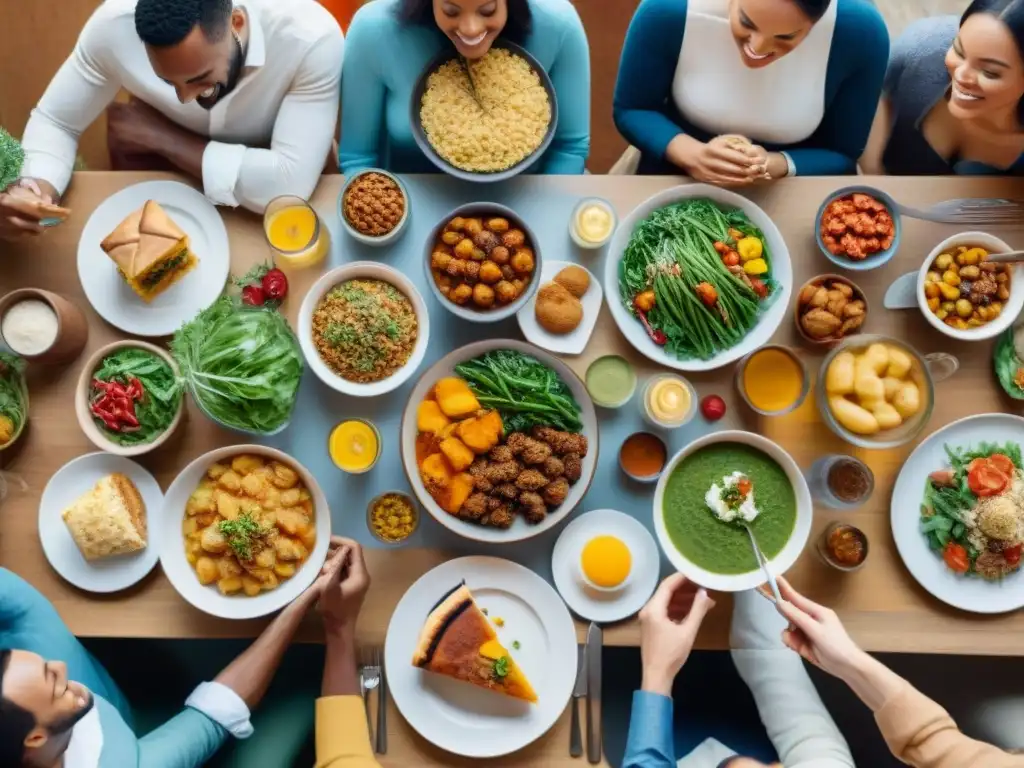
x=342, y=735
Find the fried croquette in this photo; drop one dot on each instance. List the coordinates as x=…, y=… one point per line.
x=561, y=442
x=573, y=467
x=553, y=467
x=499, y=517
x=474, y=507
x=500, y=453
x=554, y=493
x=507, y=491
x=532, y=507
x=531, y=480
x=557, y=310
x=502, y=472
x=535, y=452
x=516, y=442
x=576, y=280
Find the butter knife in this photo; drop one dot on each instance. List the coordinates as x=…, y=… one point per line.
x=593, y=663
x=578, y=692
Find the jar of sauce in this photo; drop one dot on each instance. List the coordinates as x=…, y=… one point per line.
x=669, y=401
x=593, y=222
x=354, y=446
x=840, y=482
x=843, y=546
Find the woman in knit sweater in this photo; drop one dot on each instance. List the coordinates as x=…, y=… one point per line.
x=797, y=80
x=391, y=41
x=953, y=101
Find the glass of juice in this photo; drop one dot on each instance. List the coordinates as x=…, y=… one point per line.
x=295, y=233
x=354, y=446
x=772, y=380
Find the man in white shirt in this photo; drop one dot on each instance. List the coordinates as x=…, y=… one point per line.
x=243, y=97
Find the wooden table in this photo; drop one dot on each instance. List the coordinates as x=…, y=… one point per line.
x=881, y=605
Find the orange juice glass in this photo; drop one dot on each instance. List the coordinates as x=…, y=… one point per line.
x=295, y=233
x=772, y=380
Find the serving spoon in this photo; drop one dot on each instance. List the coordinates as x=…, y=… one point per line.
x=472, y=83
x=762, y=561
x=902, y=294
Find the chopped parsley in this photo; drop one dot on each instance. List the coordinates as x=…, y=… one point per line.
x=242, y=534
x=515, y=645
x=501, y=668
x=485, y=612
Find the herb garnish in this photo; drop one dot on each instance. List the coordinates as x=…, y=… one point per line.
x=515, y=645
x=242, y=534
x=501, y=668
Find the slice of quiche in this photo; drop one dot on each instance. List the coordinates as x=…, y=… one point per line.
x=458, y=641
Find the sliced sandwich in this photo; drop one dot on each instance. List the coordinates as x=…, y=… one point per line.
x=109, y=519
x=459, y=641
x=150, y=251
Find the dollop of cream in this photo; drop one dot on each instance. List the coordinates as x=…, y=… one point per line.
x=746, y=511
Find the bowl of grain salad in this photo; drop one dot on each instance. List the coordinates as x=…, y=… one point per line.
x=363, y=328
x=374, y=206
x=492, y=127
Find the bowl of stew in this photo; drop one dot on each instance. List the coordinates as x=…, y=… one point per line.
x=858, y=228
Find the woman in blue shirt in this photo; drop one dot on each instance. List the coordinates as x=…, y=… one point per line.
x=732, y=91
x=390, y=42
x=953, y=101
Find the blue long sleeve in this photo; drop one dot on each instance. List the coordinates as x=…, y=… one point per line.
x=363, y=94
x=188, y=739
x=650, y=743
x=570, y=76
x=860, y=53
x=646, y=71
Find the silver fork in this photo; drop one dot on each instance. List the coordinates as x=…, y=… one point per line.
x=369, y=679
x=382, y=704
x=969, y=210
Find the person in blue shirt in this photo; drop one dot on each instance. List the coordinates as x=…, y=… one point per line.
x=731, y=92
x=390, y=42
x=953, y=100
x=797, y=723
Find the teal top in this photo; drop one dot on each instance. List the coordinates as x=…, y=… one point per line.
x=384, y=58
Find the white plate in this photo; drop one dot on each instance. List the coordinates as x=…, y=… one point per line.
x=461, y=717
x=520, y=529
x=67, y=484
x=366, y=270
x=594, y=605
x=207, y=598
x=569, y=343
x=111, y=297
x=969, y=593
x=759, y=335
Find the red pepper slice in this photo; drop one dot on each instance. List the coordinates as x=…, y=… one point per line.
x=100, y=384
x=129, y=419
x=658, y=337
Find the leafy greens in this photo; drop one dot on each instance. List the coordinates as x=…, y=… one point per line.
x=524, y=391
x=1009, y=367
x=12, y=392
x=161, y=392
x=242, y=365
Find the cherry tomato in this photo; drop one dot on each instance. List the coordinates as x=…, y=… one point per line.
x=713, y=407
x=254, y=295
x=275, y=284
x=1003, y=463
x=956, y=558
x=986, y=480
x=976, y=463
x=744, y=486
x=1012, y=554
x=759, y=287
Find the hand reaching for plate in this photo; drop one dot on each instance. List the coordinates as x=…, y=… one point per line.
x=23, y=206
x=668, y=627
x=343, y=582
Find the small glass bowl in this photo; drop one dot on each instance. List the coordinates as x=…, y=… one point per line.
x=805, y=387
x=644, y=478
x=587, y=244
x=657, y=423
x=822, y=547
x=415, y=517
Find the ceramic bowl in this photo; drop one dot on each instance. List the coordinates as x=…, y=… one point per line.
x=417, y=514
x=172, y=543
x=1011, y=308
x=779, y=564
x=858, y=294
x=367, y=270
x=875, y=260
x=83, y=389
x=391, y=236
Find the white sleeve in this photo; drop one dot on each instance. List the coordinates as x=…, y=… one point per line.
x=82, y=88
x=801, y=729
x=223, y=706
x=234, y=174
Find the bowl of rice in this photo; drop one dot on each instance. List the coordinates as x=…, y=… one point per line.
x=496, y=134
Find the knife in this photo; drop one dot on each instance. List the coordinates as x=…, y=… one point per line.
x=575, y=737
x=593, y=664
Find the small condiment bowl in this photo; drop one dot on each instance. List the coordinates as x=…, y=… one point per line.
x=805, y=387
x=858, y=295
x=826, y=555
x=72, y=326
x=644, y=478
x=385, y=239
x=82, y=390
x=587, y=244
x=651, y=418
x=611, y=404
x=416, y=515
x=875, y=260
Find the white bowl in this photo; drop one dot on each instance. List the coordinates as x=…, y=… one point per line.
x=1011, y=308
x=391, y=236
x=520, y=529
x=779, y=564
x=367, y=270
x=183, y=576
x=759, y=335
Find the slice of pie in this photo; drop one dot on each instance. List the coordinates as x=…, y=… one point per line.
x=458, y=641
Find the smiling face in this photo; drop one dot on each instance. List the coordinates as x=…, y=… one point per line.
x=473, y=25
x=766, y=30
x=986, y=70
x=42, y=689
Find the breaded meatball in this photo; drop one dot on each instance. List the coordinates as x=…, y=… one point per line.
x=554, y=493
x=474, y=507
x=490, y=272
x=470, y=272
x=440, y=259
x=482, y=484
x=503, y=472
x=516, y=442
x=532, y=507
x=561, y=442
x=573, y=467
x=483, y=295
x=531, y=480
x=500, y=517
x=493, y=503
x=507, y=491
x=553, y=467
x=461, y=293
x=478, y=466
x=505, y=291
x=535, y=452
x=486, y=241
x=500, y=255
x=522, y=261
x=501, y=453
x=514, y=238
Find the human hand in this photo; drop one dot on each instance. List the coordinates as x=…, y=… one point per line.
x=668, y=627
x=816, y=633
x=345, y=582
x=727, y=161
x=22, y=207
x=134, y=127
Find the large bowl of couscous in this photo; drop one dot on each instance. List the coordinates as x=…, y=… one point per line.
x=493, y=139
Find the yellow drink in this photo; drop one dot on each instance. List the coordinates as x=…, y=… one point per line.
x=773, y=380
x=354, y=446
x=294, y=233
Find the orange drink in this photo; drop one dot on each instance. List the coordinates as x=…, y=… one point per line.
x=772, y=380
x=294, y=232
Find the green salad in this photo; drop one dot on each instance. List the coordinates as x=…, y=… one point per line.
x=134, y=396
x=13, y=404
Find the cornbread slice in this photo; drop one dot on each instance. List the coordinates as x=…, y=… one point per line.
x=109, y=519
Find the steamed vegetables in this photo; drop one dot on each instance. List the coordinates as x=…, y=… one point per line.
x=697, y=276
x=13, y=408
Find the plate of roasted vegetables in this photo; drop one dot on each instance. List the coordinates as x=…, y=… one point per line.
x=697, y=277
x=499, y=440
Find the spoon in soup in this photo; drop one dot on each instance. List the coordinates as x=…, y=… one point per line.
x=762, y=560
